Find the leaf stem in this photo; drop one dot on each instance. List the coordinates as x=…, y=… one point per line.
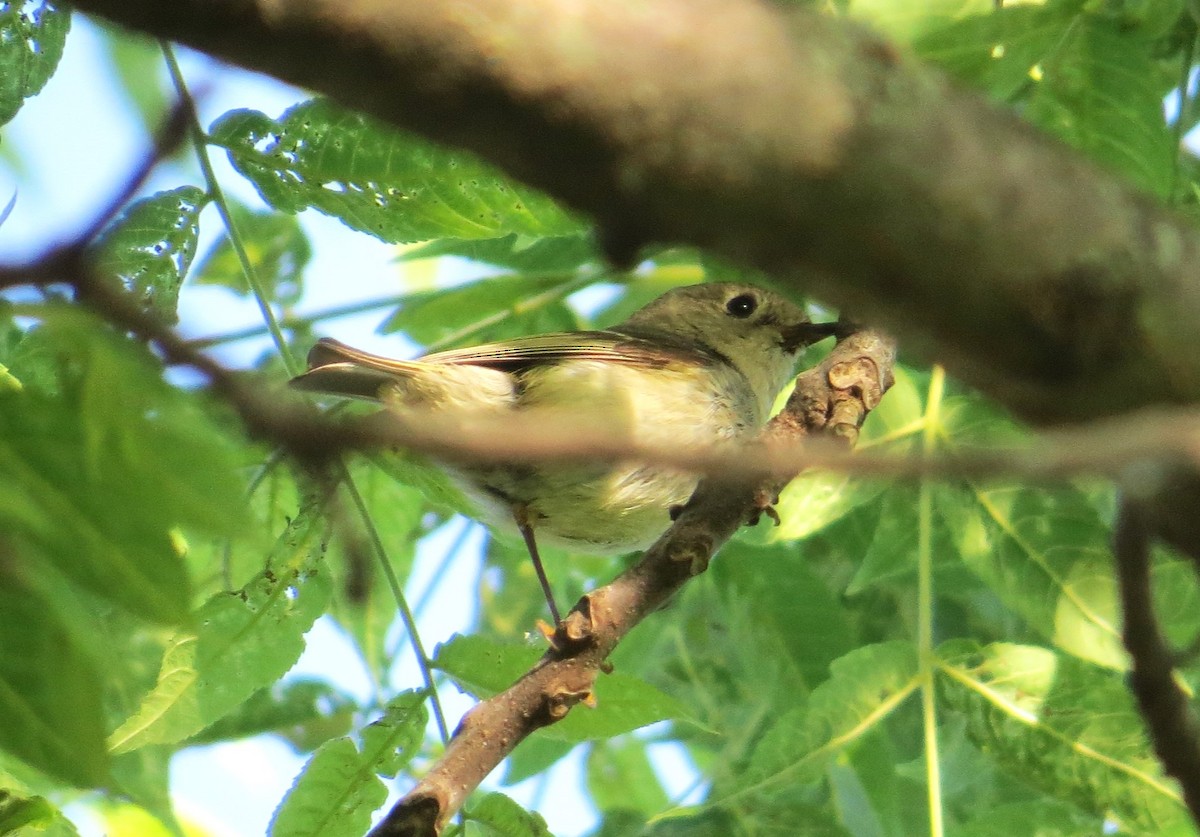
x=406, y=614
x=222, y=204
x=927, y=664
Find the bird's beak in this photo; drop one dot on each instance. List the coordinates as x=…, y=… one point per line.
x=796, y=337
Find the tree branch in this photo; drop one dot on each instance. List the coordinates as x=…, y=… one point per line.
x=795, y=142
x=831, y=399
x=1162, y=703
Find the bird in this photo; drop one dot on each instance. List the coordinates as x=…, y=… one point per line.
x=700, y=364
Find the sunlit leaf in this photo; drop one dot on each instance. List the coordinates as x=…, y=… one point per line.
x=241, y=641
x=375, y=179
x=151, y=246
x=32, y=36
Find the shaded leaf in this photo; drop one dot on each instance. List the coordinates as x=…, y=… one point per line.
x=1061, y=725
x=495, y=815
x=305, y=712
x=490, y=309
x=52, y=710
x=863, y=687
x=276, y=247
x=340, y=788
x=101, y=460
x=621, y=777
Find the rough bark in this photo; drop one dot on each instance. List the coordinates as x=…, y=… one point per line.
x=796, y=143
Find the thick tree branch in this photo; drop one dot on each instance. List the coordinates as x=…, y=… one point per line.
x=831, y=399
x=788, y=140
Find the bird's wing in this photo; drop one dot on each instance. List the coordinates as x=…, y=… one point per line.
x=605, y=346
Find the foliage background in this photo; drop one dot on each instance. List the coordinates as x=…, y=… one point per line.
x=896, y=658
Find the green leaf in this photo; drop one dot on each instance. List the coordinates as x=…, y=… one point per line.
x=391, y=185
x=624, y=703
x=305, y=712
x=791, y=602
x=240, y=642
x=138, y=63
x=32, y=36
x=522, y=253
x=490, y=309
x=620, y=777
x=1045, y=554
x=1090, y=79
x=151, y=246
x=25, y=815
x=340, y=788
x=101, y=462
x=1061, y=725
x=52, y=712
x=864, y=686
x=495, y=815
x=277, y=249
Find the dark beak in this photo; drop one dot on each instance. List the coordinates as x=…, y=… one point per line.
x=796, y=337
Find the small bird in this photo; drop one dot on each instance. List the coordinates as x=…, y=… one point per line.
x=699, y=364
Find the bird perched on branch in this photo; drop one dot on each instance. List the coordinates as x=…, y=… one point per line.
x=699, y=364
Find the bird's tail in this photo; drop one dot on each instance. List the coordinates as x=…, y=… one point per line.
x=338, y=369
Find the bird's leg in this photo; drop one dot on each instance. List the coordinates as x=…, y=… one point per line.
x=521, y=516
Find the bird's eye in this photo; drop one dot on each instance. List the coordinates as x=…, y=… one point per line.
x=741, y=306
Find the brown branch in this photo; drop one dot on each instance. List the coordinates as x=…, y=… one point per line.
x=1162, y=703
x=799, y=143
x=831, y=399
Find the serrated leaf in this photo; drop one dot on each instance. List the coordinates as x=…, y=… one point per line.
x=624, y=703
x=377, y=180
x=32, y=36
x=240, y=642
x=340, y=788
x=151, y=246
x=1062, y=725
x=864, y=686
x=278, y=251
x=52, y=711
x=495, y=815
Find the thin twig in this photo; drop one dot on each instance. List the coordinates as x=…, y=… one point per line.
x=1162, y=703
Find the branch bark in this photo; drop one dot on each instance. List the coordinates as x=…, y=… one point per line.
x=798, y=143
x=831, y=399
